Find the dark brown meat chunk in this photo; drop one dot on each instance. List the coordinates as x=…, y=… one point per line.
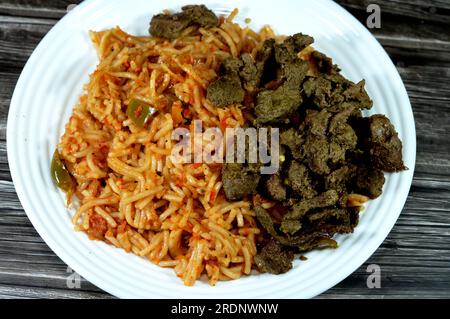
x=322, y=63
x=335, y=220
x=277, y=105
x=341, y=142
x=342, y=136
x=249, y=72
x=200, y=15
x=274, y=259
x=346, y=137
x=357, y=93
x=317, y=122
x=369, y=181
x=327, y=91
x=339, y=178
x=290, y=226
x=225, y=90
x=319, y=90
x=239, y=180
x=337, y=153
x=299, y=179
x=293, y=140
x=293, y=70
x=339, y=120
x=317, y=147
x=230, y=65
x=168, y=26
x=317, y=241
x=294, y=73
x=288, y=50
x=384, y=145
x=299, y=41
x=265, y=62
x=171, y=26
x=275, y=187
x=306, y=240
x=328, y=198
x=317, y=151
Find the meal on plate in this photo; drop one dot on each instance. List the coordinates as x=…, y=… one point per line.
x=222, y=218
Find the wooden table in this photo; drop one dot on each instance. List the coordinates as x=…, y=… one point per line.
x=414, y=259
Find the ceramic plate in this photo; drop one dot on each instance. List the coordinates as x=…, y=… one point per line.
x=52, y=81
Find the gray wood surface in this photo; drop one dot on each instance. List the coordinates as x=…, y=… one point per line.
x=414, y=259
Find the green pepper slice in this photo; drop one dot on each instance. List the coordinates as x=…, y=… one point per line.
x=139, y=112
x=60, y=175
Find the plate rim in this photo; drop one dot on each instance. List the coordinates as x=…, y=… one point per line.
x=68, y=260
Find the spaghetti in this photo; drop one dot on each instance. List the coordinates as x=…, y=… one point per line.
x=131, y=194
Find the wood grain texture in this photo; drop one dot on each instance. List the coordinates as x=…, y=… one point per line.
x=414, y=259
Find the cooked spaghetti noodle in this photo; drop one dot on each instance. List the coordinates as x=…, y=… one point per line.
x=131, y=194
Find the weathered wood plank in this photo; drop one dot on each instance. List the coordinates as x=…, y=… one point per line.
x=18, y=38
x=433, y=10
x=430, y=11
x=30, y=292
x=36, y=8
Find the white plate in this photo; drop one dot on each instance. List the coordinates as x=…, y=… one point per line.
x=52, y=80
